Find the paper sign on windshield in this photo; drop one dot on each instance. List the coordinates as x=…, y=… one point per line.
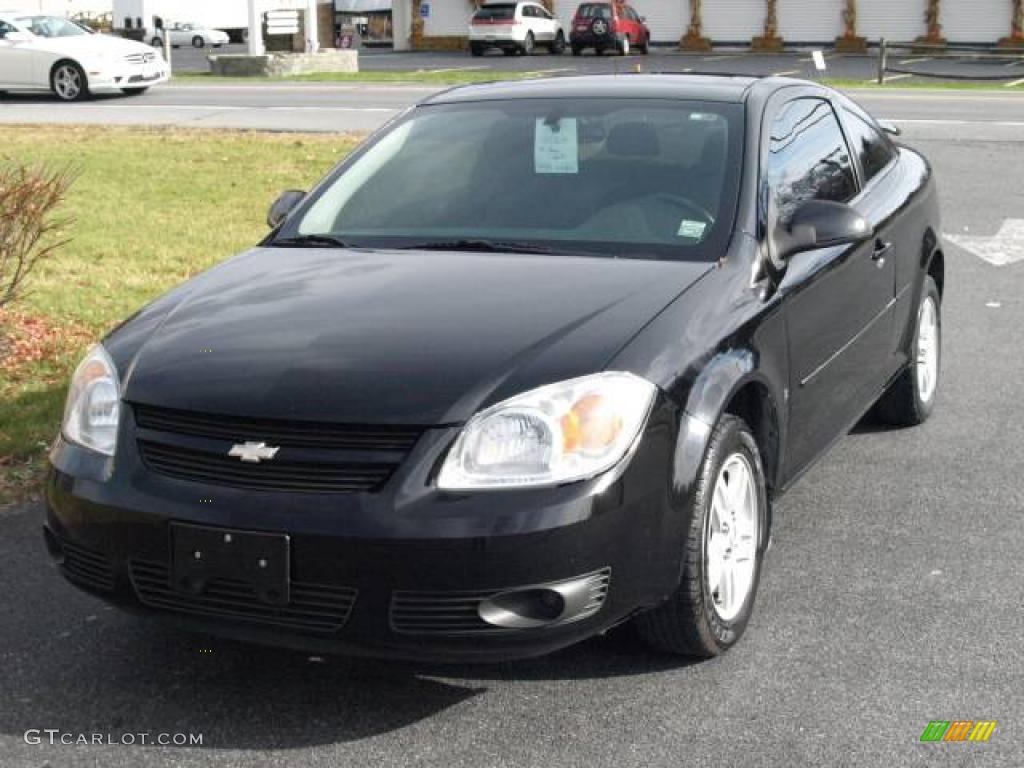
x=555, y=146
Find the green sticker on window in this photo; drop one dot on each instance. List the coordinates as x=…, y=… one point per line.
x=694, y=230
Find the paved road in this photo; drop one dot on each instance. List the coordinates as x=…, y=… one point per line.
x=892, y=597
x=363, y=107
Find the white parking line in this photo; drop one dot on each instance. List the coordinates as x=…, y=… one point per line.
x=787, y=72
x=889, y=78
x=938, y=121
x=719, y=58
x=916, y=61
x=1014, y=83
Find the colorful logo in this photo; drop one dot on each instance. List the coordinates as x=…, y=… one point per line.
x=958, y=730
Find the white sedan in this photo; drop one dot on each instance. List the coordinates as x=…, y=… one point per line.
x=53, y=53
x=196, y=35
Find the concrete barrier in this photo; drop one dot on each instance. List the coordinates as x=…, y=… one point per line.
x=284, y=64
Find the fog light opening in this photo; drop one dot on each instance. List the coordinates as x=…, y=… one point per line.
x=523, y=609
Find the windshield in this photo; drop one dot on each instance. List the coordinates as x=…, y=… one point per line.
x=623, y=177
x=51, y=26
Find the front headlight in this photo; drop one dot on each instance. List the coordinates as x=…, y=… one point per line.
x=93, y=408
x=555, y=434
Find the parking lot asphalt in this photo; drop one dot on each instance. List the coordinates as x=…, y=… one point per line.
x=893, y=595
x=905, y=65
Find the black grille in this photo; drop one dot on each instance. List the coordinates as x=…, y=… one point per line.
x=199, y=466
x=317, y=608
x=455, y=613
x=311, y=457
x=336, y=437
x=87, y=568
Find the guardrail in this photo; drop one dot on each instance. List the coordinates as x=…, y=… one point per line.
x=942, y=50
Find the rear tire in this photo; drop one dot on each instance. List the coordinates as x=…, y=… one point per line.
x=476, y=49
x=510, y=51
x=68, y=81
x=910, y=399
x=528, y=44
x=198, y=42
x=577, y=50
x=156, y=42
x=558, y=46
x=710, y=608
x=624, y=46
x=646, y=47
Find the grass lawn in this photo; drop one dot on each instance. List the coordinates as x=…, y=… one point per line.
x=152, y=208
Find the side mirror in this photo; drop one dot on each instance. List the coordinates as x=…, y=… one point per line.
x=820, y=224
x=889, y=127
x=283, y=206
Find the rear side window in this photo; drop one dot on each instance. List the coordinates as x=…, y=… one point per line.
x=496, y=12
x=594, y=11
x=873, y=149
x=807, y=157
x=5, y=29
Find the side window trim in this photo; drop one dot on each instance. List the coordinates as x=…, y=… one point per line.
x=846, y=113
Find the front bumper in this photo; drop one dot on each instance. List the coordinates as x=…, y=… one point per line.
x=102, y=78
x=399, y=573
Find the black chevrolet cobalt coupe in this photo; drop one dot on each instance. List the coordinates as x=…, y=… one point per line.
x=534, y=361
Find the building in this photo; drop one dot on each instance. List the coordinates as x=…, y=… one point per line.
x=738, y=22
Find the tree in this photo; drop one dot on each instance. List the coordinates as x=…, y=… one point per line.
x=771, y=20
x=696, y=28
x=29, y=230
x=1017, y=23
x=931, y=20
x=850, y=19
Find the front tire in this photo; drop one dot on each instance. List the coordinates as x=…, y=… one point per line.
x=911, y=398
x=476, y=49
x=710, y=608
x=558, y=47
x=528, y=44
x=198, y=42
x=68, y=82
x=624, y=46
x=156, y=42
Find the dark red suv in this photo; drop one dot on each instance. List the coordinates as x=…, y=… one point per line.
x=608, y=26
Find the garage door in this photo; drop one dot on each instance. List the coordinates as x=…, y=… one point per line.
x=733, y=21
x=901, y=21
x=667, y=19
x=447, y=17
x=810, y=21
x=978, y=21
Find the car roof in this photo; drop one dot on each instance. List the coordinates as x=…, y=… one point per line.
x=685, y=87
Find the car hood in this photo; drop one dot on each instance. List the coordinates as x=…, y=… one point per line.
x=390, y=337
x=87, y=46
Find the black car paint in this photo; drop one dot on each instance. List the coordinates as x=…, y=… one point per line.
x=740, y=334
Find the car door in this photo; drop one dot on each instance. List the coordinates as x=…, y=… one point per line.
x=883, y=201
x=838, y=300
x=632, y=21
x=16, y=58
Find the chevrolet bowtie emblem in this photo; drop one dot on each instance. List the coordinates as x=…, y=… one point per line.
x=253, y=453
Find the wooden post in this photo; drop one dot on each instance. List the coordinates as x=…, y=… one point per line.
x=883, y=56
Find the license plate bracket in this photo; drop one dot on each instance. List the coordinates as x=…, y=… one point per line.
x=202, y=554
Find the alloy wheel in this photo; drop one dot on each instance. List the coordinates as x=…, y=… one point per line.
x=731, y=537
x=67, y=82
x=927, y=349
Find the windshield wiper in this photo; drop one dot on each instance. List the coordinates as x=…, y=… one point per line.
x=488, y=246
x=311, y=241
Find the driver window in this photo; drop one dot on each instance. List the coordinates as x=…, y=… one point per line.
x=807, y=157
x=5, y=29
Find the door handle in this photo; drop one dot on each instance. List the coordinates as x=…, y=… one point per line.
x=881, y=251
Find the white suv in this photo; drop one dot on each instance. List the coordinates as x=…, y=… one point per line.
x=515, y=28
